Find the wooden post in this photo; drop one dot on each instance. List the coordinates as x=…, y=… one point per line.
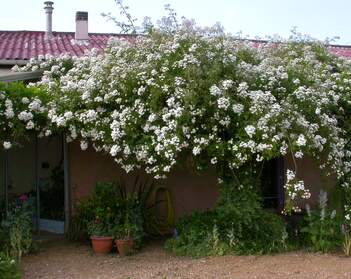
x=67, y=201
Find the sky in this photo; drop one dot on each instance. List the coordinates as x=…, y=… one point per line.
x=256, y=18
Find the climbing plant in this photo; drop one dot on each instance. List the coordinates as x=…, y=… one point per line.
x=193, y=93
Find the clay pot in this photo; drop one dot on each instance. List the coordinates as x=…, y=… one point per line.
x=102, y=244
x=124, y=246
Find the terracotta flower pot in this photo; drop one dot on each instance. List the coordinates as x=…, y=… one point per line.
x=102, y=244
x=124, y=246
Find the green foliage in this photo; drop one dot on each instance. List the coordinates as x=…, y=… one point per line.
x=322, y=229
x=97, y=214
x=346, y=246
x=8, y=267
x=322, y=232
x=17, y=226
x=113, y=210
x=98, y=227
x=237, y=225
x=18, y=91
x=77, y=229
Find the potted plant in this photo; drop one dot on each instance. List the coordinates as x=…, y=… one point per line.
x=124, y=238
x=100, y=236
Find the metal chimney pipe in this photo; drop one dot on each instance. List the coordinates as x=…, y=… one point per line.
x=48, y=10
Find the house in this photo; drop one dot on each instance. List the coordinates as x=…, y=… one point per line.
x=18, y=47
x=59, y=173
x=41, y=161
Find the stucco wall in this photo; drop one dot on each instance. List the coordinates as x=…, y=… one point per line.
x=189, y=191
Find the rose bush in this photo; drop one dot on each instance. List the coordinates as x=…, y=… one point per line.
x=150, y=100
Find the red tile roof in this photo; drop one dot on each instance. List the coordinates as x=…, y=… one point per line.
x=343, y=51
x=23, y=45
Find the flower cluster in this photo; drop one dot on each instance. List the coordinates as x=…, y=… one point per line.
x=226, y=102
x=294, y=189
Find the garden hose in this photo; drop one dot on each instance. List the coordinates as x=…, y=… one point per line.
x=158, y=225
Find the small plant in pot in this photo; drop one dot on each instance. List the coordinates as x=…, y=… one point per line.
x=125, y=238
x=100, y=235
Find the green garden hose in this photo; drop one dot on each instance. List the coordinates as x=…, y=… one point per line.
x=157, y=224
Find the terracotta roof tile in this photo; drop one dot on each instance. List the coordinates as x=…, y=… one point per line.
x=343, y=51
x=23, y=45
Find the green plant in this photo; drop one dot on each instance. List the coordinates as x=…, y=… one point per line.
x=18, y=227
x=97, y=213
x=114, y=209
x=127, y=231
x=99, y=228
x=346, y=247
x=237, y=225
x=8, y=267
x=75, y=230
x=322, y=228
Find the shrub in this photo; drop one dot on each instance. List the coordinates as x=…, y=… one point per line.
x=17, y=227
x=8, y=267
x=346, y=247
x=112, y=209
x=238, y=225
x=322, y=229
x=102, y=205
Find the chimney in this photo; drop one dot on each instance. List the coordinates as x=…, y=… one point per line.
x=48, y=10
x=82, y=26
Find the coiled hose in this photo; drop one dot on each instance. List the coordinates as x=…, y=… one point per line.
x=158, y=225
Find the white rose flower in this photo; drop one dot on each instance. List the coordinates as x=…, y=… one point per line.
x=238, y=108
x=301, y=141
x=7, y=144
x=83, y=145
x=250, y=130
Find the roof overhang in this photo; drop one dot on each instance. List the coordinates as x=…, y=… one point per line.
x=20, y=76
x=12, y=62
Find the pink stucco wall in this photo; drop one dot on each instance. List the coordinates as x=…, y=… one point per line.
x=189, y=191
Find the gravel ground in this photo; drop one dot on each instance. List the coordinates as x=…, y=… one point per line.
x=67, y=260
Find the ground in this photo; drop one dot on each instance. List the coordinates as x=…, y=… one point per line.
x=62, y=259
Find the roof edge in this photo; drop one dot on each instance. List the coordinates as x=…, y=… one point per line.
x=70, y=32
x=4, y=62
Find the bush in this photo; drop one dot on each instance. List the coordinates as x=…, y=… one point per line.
x=237, y=225
x=17, y=227
x=112, y=209
x=322, y=228
x=8, y=267
x=103, y=205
